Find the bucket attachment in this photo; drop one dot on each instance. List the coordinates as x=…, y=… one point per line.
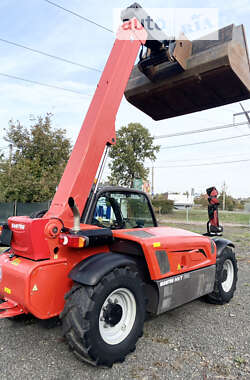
x=216, y=73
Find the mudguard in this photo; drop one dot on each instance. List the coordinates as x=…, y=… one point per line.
x=221, y=244
x=91, y=270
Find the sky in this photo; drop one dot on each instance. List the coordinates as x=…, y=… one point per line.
x=39, y=25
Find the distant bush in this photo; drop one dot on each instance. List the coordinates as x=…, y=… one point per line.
x=201, y=200
x=231, y=203
x=163, y=206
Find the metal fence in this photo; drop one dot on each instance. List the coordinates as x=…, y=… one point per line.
x=19, y=208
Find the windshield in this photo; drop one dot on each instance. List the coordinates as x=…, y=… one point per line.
x=122, y=210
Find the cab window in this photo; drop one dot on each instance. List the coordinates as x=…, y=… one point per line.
x=118, y=210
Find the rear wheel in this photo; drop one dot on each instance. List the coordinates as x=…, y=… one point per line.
x=225, y=278
x=103, y=323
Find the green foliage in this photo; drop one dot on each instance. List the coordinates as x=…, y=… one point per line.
x=163, y=206
x=201, y=200
x=39, y=157
x=134, y=144
x=137, y=208
x=230, y=203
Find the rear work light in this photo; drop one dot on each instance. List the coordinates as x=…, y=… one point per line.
x=73, y=241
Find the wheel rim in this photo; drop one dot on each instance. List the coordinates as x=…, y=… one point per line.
x=228, y=272
x=117, y=316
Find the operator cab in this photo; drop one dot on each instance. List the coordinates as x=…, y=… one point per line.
x=119, y=208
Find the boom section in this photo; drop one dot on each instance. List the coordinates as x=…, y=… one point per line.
x=98, y=128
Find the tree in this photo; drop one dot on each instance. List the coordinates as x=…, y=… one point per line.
x=201, y=200
x=231, y=203
x=134, y=144
x=34, y=169
x=163, y=206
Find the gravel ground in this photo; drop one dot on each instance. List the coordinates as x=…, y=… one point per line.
x=195, y=341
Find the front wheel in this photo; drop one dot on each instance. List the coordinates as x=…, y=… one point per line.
x=225, y=278
x=103, y=323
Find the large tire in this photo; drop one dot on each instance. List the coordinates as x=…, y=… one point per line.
x=225, y=278
x=103, y=323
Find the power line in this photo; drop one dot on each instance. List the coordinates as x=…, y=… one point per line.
x=227, y=109
x=49, y=55
x=78, y=15
x=202, y=119
x=204, y=164
x=200, y=130
x=199, y=158
x=204, y=142
x=43, y=84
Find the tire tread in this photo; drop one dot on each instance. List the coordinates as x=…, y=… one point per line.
x=79, y=306
x=218, y=296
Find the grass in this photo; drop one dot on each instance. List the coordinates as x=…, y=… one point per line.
x=201, y=215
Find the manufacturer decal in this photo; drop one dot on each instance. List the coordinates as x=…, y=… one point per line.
x=172, y=280
x=35, y=288
x=15, y=262
x=156, y=244
x=18, y=226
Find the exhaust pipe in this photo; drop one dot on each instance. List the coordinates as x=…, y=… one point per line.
x=76, y=214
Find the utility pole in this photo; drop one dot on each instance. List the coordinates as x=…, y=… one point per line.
x=10, y=156
x=224, y=195
x=152, y=186
x=246, y=113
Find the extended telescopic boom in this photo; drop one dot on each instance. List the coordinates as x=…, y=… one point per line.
x=98, y=128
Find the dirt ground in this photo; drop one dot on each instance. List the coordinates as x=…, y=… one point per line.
x=195, y=341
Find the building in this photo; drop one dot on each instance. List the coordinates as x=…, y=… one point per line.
x=181, y=201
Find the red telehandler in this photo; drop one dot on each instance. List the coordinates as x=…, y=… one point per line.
x=97, y=258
